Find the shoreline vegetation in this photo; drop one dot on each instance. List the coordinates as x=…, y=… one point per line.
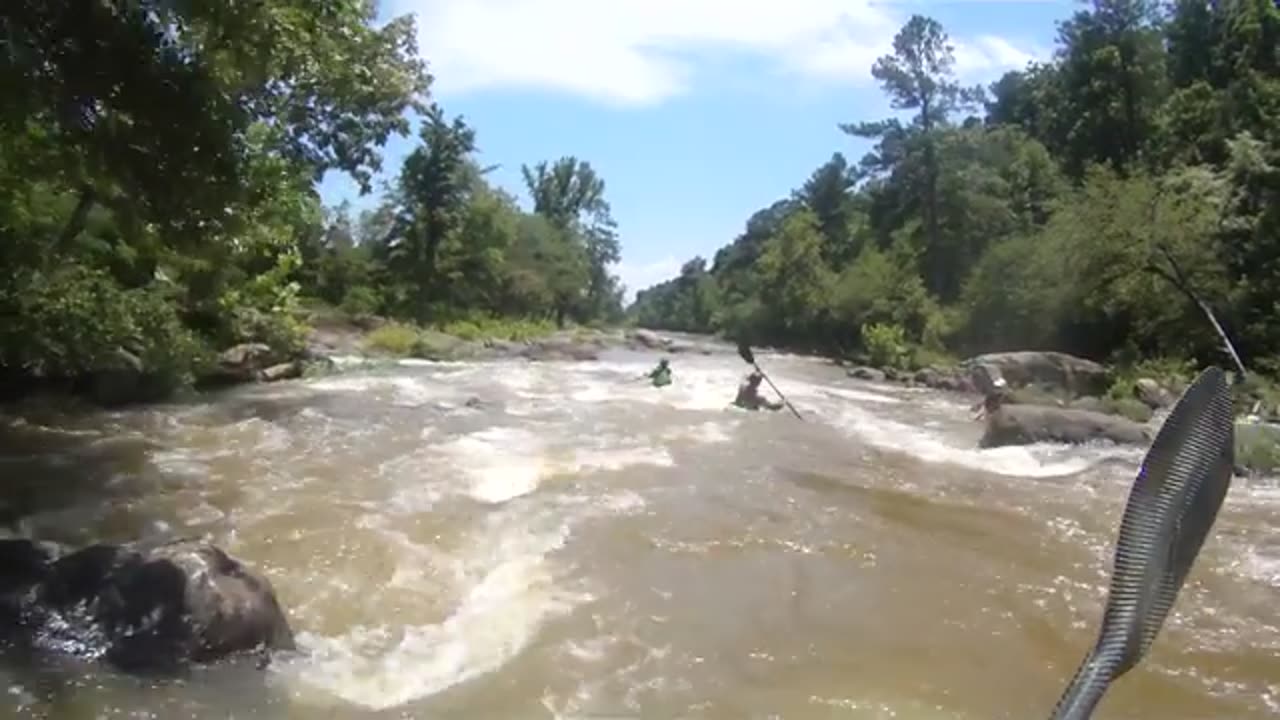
x=1118, y=202
x=161, y=231
x=160, y=224
x=1099, y=203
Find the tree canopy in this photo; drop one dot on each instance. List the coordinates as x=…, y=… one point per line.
x=1080, y=204
x=158, y=163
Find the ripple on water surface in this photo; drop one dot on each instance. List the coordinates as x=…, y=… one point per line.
x=518, y=539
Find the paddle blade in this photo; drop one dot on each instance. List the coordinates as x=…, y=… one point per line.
x=744, y=350
x=1174, y=501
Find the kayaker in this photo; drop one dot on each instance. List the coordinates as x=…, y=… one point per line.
x=749, y=395
x=660, y=375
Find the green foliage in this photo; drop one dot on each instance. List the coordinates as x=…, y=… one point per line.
x=75, y=321
x=570, y=195
x=1257, y=448
x=395, y=338
x=360, y=301
x=157, y=173
x=886, y=345
x=481, y=327
x=1105, y=201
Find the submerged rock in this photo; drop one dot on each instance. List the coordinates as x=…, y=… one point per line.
x=866, y=373
x=140, y=607
x=281, y=371
x=1027, y=424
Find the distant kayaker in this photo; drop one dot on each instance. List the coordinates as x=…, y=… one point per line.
x=660, y=375
x=749, y=395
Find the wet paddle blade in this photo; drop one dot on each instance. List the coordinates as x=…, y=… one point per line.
x=1174, y=501
x=744, y=350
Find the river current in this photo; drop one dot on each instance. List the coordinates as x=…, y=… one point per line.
x=561, y=540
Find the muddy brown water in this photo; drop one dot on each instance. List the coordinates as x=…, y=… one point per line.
x=577, y=544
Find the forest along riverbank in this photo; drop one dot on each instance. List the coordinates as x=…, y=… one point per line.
x=514, y=539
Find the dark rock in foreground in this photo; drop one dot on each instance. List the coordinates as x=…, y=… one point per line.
x=1027, y=424
x=142, y=608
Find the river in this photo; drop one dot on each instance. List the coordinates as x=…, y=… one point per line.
x=573, y=543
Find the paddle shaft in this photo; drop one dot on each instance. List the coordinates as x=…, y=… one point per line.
x=775, y=389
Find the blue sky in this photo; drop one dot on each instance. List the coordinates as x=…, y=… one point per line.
x=695, y=112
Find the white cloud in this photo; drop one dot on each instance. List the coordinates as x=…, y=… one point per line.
x=637, y=277
x=640, y=52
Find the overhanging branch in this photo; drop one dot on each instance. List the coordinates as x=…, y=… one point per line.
x=1178, y=279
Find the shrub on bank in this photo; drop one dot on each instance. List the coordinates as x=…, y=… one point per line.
x=395, y=338
x=1258, y=448
x=75, y=322
x=482, y=327
x=886, y=345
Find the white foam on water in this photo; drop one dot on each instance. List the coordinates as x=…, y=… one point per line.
x=692, y=387
x=179, y=463
x=412, y=392
x=619, y=458
x=420, y=362
x=353, y=384
x=509, y=589
x=859, y=395
x=503, y=463
x=711, y=432
x=1041, y=460
x=263, y=436
x=351, y=360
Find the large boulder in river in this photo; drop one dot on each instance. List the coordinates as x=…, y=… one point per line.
x=1027, y=424
x=942, y=378
x=649, y=339
x=242, y=363
x=1074, y=375
x=141, y=607
x=1152, y=394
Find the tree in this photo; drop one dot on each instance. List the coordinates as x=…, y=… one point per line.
x=1112, y=73
x=433, y=191
x=570, y=195
x=919, y=76
x=827, y=193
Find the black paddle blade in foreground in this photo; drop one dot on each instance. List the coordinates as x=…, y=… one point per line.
x=744, y=350
x=1173, y=503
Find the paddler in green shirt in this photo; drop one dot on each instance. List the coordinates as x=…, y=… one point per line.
x=660, y=375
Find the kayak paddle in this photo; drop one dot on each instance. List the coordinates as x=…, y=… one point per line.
x=1173, y=502
x=745, y=351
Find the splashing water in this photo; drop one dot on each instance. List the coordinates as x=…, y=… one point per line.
x=513, y=539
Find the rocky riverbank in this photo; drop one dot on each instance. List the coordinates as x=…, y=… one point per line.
x=1050, y=379
x=1059, y=398
x=572, y=345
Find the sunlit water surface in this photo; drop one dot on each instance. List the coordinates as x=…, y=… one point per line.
x=574, y=543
